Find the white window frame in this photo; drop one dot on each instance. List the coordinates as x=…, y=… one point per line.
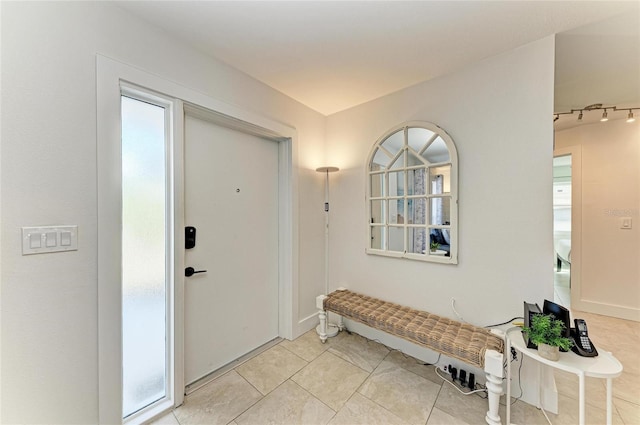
x=452, y=195
x=169, y=106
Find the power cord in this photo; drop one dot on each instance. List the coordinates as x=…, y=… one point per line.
x=456, y=387
x=453, y=307
x=504, y=323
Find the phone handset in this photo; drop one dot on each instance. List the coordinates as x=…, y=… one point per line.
x=582, y=345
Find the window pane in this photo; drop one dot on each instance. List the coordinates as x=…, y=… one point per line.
x=440, y=211
x=143, y=254
x=377, y=212
x=440, y=179
x=439, y=242
x=395, y=142
x=399, y=162
x=380, y=161
x=416, y=182
x=396, y=183
x=437, y=152
x=417, y=240
x=396, y=211
x=417, y=210
x=377, y=241
x=418, y=138
x=396, y=239
x=377, y=185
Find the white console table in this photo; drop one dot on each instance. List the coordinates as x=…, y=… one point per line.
x=604, y=366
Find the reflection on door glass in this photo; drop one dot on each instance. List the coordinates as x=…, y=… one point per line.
x=143, y=255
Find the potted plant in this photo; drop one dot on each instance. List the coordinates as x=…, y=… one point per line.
x=433, y=246
x=546, y=333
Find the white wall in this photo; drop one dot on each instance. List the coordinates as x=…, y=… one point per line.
x=610, y=274
x=498, y=114
x=49, y=302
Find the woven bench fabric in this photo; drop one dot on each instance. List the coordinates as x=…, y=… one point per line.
x=455, y=339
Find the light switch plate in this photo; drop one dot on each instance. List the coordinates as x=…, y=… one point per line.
x=625, y=223
x=50, y=238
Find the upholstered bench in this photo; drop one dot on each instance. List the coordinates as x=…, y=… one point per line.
x=473, y=345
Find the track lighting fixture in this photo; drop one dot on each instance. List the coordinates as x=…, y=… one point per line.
x=630, y=117
x=595, y=107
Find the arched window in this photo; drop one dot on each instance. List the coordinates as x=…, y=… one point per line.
x=412, y=194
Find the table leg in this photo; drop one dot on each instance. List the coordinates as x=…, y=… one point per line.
x=581, y=395
x=508, y=400
x=609, y=401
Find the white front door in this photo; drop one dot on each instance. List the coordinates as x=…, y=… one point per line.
x=231, y=198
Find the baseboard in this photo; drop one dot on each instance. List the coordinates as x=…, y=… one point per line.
x=612, y=310
x=306, y=324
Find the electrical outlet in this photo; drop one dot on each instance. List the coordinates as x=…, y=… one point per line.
x=444, y=368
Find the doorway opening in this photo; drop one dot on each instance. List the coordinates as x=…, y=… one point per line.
x=562, y=229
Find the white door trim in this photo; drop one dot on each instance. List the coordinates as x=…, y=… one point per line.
x=110, y=75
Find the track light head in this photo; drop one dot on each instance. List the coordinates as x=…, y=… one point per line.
x=580, y=116
x=604, y=116
x=630, y=117
x=556, y=118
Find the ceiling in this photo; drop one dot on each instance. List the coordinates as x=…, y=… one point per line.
x=334, y=55
x=598, y=63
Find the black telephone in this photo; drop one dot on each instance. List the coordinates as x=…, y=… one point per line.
x=582, y=345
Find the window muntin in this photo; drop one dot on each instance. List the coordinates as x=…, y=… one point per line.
x=412, y=194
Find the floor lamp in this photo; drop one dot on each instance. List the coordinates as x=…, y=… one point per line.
x=332, y=329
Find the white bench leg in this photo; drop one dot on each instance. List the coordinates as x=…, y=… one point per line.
x=494, y=390
x=493, y=370
x=340, y=324
x=322, y=315
x=323, y=326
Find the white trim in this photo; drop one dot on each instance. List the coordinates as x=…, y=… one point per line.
x=179, y=263
x=169, y=106
x=110, y=75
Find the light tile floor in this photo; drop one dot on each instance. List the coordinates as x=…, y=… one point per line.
x=351, y=380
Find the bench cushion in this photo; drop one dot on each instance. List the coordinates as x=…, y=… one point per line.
x=462, y=341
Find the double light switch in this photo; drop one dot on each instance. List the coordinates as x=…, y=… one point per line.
x=38, y=240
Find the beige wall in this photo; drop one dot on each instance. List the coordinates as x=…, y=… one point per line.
x=497, y=112
x=610, y=270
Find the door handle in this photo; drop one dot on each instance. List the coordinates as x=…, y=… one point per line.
x=190, y=271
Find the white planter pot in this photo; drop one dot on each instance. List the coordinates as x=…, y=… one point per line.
x=549, y=352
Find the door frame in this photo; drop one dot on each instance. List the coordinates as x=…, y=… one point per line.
x=111, y=76
x=576, y=223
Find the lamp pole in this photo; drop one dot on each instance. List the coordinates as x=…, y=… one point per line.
x=332, y=329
